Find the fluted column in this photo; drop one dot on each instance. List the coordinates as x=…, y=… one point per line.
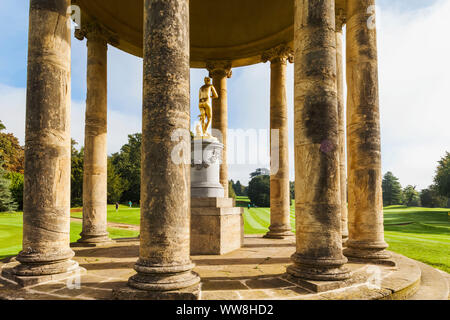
x=317, y=190
x=95, y=142
x=46, y=216
x=340, y=19
x=164, y=257
x=280, y=206
x=366, y=231
x=220, y=71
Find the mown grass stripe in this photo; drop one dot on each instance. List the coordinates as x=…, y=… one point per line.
x=254, y=224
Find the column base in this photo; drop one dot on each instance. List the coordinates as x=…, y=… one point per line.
x=27, y=275
x=318, y=269
x=374, y=252
x=163, y=278
x=93, y=240
x=279, y=233
x=190, y=293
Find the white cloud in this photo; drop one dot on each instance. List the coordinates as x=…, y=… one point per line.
x=414, y=84
x=12, y=114
x=12, y=110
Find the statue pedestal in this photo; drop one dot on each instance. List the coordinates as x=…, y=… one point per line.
x=206, y=156
x=217, y=226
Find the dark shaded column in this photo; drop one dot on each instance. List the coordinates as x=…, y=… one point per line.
x=46, y=217
x=164, y=257
x=366, y=231
x=317, y=187
x=220, y=71
x=95, y=189
x=280, y=215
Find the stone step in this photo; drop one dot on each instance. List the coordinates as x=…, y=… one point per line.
x=434, y=285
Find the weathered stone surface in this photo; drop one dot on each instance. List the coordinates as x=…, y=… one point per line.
x=215, y=230
x=317, y=187
x=164, y=263
x=280, y=215
x=95, y=143
x=46, y=215
x=366, y=231
x=190, y=293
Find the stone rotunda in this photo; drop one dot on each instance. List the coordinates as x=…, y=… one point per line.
x=335, y=244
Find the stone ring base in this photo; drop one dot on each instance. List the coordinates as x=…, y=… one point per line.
x=128, y=293
x=279, y=234
x=68, y=270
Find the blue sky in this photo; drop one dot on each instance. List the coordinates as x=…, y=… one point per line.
x=413, y=87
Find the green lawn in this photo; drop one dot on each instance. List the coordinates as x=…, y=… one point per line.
x=419, y=233
x=125, y=215
x=11, y=233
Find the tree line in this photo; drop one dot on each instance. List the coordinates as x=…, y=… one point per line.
x=124, y=179
x=437, y=195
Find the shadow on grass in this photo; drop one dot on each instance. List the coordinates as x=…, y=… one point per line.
x=415, y=220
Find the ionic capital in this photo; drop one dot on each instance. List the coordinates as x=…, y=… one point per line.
x=94, y=31
x=281, y=53
x=341, y=19
x=219, y=68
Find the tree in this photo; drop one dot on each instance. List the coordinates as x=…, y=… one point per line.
x=430, y=198
x=411, y=196
x=127, y=164
x=392, y=190
x=11, y=152
x=77, y=161
x=292, y=190
x=7, y=203
x=259, y=191
x=116, y=185
x=238, y=188
x=231, y=192
x=260, y=172
x=16, y=188
x=442, y=177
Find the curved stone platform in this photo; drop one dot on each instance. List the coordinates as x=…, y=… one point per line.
x=255, y=272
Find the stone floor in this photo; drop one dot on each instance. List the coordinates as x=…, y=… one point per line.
x=252, y=273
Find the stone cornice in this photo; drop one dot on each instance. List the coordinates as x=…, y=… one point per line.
x=92, y=30
x=219, y=67
x=281, y=53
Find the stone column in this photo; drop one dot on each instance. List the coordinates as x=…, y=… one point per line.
x=340, y=20
x=366, y=231
x=164, y=264
x=95, y=142
x=220, y=71
x=280, y=204
x=46, y=217
x=317, y=188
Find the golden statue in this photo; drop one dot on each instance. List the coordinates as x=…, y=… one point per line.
x=207, y=92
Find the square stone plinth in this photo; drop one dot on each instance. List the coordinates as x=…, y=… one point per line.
x=127, y=293
x=217, y=227
x=29, y=281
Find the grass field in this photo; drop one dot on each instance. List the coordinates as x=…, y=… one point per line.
x=419, y=233
x=11, y=233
